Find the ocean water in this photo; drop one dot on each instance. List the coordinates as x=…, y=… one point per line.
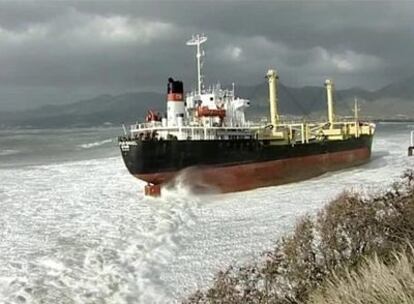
x=76, y=228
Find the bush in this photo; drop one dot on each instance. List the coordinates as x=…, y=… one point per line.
x=374, y=282
x=339, y=236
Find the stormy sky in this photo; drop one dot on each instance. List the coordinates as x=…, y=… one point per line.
x=55, y=52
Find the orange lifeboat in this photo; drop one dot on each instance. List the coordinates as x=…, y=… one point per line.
x=205, y=111
x=152, y=116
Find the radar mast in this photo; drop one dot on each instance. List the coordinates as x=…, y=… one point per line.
x=197, y=40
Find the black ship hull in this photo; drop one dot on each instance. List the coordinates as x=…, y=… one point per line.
x=236, y=165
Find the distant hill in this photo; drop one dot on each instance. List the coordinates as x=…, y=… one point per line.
x=97, y=111
x=394, y=101
x=403, y=89
x=390, y=102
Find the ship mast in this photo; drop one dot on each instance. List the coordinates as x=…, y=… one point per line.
x=329, y=96
x=356, y=109
x=272, y=78
x=197, y=40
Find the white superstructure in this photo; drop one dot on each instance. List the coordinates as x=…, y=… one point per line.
x=215, y=113
x=205, y=113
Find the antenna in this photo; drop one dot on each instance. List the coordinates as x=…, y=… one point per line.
x=197, y=40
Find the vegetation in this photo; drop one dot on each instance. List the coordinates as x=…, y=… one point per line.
x=374, y=282
x=307, y=265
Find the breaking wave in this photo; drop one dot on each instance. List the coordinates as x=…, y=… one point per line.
x=96, y=143
x=6, y=152
x=189, y=182
x=106, y=243
x=82, y=231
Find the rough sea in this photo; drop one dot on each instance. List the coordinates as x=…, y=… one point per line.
x=76, y=228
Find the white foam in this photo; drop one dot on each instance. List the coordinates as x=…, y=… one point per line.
x=96, y=144
x=6, y=152
x=83, y=231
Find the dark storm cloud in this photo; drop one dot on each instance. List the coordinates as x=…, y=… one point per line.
x=84, y=48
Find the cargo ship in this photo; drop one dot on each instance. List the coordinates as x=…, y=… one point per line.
x=206, y=138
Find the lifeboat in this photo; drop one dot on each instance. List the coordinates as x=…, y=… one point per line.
x=206, y=112
x=152, y=116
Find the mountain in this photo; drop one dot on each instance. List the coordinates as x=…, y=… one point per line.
x=403, y=89
x=97, y=111
x=394, y=101
x=390, y=102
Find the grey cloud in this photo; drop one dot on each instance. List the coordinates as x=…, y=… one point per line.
x=96, y=47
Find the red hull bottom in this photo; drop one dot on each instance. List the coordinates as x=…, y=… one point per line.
x=255, y=175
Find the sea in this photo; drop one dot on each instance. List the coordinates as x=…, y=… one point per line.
x=75, y=226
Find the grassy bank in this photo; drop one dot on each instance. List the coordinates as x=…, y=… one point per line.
x=375, y=281
x=324, y=249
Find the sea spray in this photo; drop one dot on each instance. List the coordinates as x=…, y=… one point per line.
x=96, y=143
